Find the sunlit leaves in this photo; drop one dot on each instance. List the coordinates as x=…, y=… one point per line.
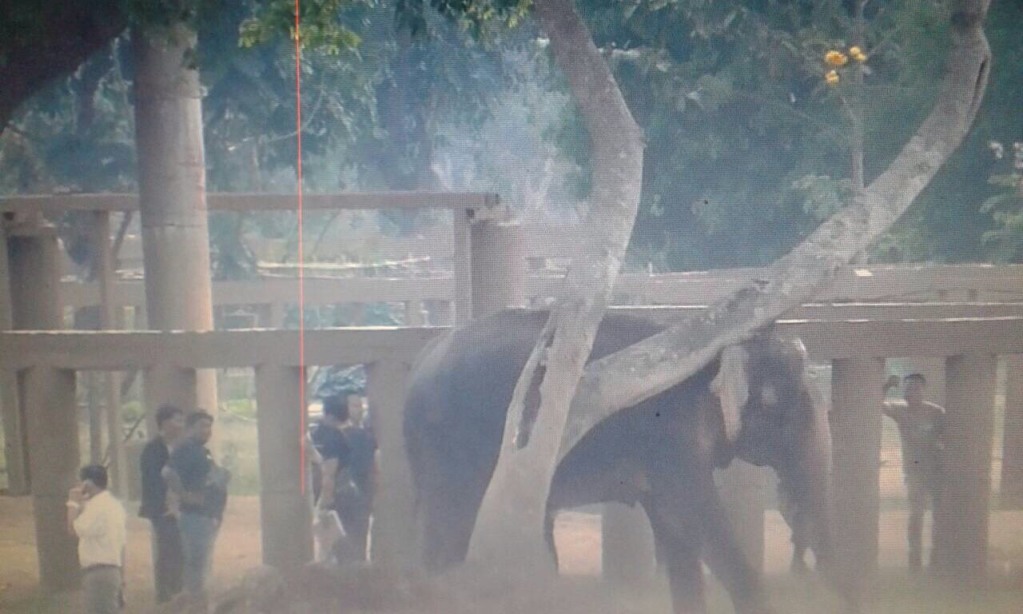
x=318, y=24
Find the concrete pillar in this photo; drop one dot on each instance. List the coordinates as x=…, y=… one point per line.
x=15, y=442
x=1012, y=442
x=172, y=198
x=105, y=269
x=498, y=267
x=743, y=490
x=961, y=519
x=627, y=544
x=856, y=416
x=415, y=314
x=34, y=261
x=394, y=534
x=439, y=313
x=95, y=417
x=34, y=264
x=462, y=265
x=168, y=384
x=49, y=397
x=285, y=509
x=48, y=400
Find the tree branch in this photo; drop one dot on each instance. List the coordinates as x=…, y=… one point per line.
x=648, y=368
x=66, y=34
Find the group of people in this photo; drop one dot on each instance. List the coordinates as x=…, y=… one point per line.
x=184, y=494
x=344, y=481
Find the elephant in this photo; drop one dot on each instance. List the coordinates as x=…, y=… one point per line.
x=755, y=402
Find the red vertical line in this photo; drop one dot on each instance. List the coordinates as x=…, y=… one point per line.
x=301, y=249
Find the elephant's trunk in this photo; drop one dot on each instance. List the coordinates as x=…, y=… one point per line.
x=818, y=498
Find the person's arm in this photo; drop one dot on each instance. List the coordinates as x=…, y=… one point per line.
x=939, y=427
x=177, y=487
x=328, y=482
x=887, y=407
x=75, y=506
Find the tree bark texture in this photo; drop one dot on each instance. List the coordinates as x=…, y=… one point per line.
x=172, y=192
x=513, y=508
x=648, y=368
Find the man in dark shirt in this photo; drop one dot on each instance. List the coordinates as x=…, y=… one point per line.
x=201, y=487
x=162, y=515
x=335, y=456
x=355, y=503
x=922, y=430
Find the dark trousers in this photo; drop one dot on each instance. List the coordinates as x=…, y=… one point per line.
x=168, y=561
x=355, y=517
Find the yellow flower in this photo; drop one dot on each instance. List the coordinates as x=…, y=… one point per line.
x=835, y=58
x=857, y=54
x=831, y=77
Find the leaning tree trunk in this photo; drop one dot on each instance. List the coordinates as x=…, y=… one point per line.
x=513, y=508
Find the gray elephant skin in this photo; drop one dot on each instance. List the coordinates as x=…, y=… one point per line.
x=660, y=454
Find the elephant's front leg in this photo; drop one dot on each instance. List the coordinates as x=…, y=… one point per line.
x=685, y=574
x=676, y=527
x=727, y=560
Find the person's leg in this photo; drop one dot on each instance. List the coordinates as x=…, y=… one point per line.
x=168, y=564
x=192, y=553
x=101, y=589
x=934, y=494
x=355, y=520
x=197, y=534
x=212, y=530
x=917, y=499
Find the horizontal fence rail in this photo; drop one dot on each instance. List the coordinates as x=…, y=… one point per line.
x=825, y=339
x=961, y=283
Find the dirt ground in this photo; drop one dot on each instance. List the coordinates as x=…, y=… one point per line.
x=578, y=537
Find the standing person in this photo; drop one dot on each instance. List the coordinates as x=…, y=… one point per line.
x=335, y=455
x=201, y=487
x=161, y=513
x=921, y=429
x=355, y=502
x=99, y=521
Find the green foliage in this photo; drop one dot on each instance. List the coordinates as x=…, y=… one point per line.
x=78, y=135
x=318, y=19
x=1005, y=242
x=824, y=196
x=747, y=147
x=475, y=16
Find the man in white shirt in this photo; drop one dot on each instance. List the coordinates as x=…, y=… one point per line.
x=98, y=519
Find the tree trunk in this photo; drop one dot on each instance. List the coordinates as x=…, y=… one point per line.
x=172, y=197
x=513, y=508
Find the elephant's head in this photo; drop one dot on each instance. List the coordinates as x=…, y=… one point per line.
x=774, y=416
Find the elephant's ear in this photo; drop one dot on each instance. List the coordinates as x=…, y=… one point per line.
x=732, y=388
